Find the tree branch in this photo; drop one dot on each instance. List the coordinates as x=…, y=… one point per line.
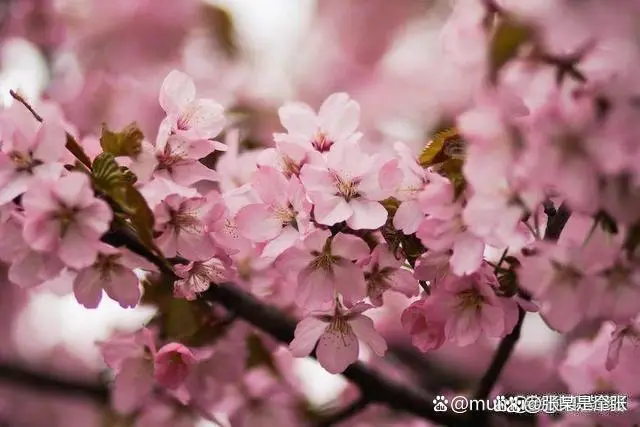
x=373, y=386
x=47, y=383
x=555, y=224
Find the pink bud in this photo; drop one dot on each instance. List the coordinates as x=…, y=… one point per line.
x=172, y=364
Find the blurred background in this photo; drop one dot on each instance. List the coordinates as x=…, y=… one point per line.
x=103, y=62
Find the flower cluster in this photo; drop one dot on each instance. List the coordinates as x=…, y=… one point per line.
x=465, y=232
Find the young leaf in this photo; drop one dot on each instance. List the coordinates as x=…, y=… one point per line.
x=507, y=39
x=109, y=178
x=127, y=142
x=141, y=215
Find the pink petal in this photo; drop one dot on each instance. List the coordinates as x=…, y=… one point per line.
x=75, y=251
x=41, y=233
x=367, y=215
x=51, y=141
x=298, y=118
x=408, y=216
x=176, y=92
x=74, y=189
x=258, y=223
x=271, y=185
x=348, y=280
x=316, y=240
x=402, y=281
x=339, y=116
x=17, y=184
x=196, y=246
x=204, y=118
x=492, y=320
x=132, y=385
x=87, y=287
x=306, y=335
x=330, y=210
x=467, y=254
x=123, y=286
x=337, y=350
x=287, y=238
x=349, y=247
x=364, y=329
x=189, y=172
x=315, y=287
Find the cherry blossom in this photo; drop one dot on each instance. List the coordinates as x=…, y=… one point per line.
x=336, y=336
x=65, y=217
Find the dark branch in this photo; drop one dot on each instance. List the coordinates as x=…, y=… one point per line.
x=505, y=349
x=46, y=383
x=555, y=224
x=373, y=386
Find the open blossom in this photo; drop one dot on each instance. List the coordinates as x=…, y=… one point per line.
x=131, y=356
x=473, y=308
x=281, y=217
x=29, y=151
x=173, y=363
x=349, y=187
x=566, y=279
x=424, y=321
x=179, y=220
x=112, y=272
x=383, y=271
x=177, y=160
x=187, y=117
x=336, y=336
x=327, y=267
x=335, y=123
x=65, y=217
x=197, y=276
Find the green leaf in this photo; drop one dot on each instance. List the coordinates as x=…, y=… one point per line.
x=507, y=39
x=109, y=178
x=430, y=152
x=127, y=142
x=180, y=321
x=141, y=216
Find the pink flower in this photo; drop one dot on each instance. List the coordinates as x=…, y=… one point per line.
x=65, y=217
x=282, y=215
x=173, y=363
x=565, y=279
x=432, y=267
x=337, y=337
x=383, y=271
x=180, y=222
x=327, y=267
x=449, y=232
x=112, y=272
x=335, y=123
x=197, y=276
x=177, y=160
x=414, y=178
x=27, y=267
x=187, y=117
x=131, y=357
x=349, y=187
x=29, y=151
x=424, y=321
x=473, y=308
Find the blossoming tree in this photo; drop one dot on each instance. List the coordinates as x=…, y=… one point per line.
x=322, y=235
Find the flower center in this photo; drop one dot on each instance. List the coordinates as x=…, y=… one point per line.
x=286, y=216
x=566, y=274
x=65, y=217
x=347, y=188
x=183, y=220
x=470, y=299
x=107, y=264
x=321, y=143
x=378, y=280
x=23, y=162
